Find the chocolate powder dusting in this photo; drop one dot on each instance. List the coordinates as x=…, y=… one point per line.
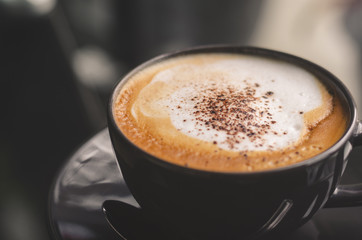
x=238, y=113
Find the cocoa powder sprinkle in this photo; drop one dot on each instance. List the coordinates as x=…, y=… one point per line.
x=236, y=112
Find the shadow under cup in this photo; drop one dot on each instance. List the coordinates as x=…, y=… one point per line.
x=218, y=205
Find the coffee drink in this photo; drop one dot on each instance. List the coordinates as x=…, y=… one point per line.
x=228, y=112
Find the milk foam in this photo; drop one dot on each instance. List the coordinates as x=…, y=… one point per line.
x=237, y=104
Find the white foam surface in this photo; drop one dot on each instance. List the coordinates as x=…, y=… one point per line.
x=293, y=92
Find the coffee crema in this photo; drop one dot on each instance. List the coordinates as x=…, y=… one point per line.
x=228, y=112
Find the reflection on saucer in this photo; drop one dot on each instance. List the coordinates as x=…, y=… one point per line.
x=91, y=176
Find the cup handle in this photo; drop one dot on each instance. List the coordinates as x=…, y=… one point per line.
x=348, y=195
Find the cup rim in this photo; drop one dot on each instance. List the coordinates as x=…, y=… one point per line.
x=247, y=50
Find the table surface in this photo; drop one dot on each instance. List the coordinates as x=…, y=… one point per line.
x=91, y=176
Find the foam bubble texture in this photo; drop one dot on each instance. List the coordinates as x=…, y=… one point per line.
x=239, y=104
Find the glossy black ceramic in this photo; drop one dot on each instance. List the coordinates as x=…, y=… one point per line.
x=90, y=200
x=217, y=205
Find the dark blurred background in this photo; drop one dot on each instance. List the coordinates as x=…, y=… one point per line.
x=60, y=60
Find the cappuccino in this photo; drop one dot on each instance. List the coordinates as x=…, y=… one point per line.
x=228, y=112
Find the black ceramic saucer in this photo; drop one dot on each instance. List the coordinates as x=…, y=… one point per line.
x=90, y=200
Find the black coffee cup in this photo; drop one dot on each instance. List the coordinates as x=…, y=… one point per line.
x=220, y=205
